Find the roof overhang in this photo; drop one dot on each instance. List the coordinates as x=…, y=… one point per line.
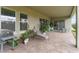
x=54, y=11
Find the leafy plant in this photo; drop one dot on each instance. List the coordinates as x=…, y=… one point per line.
x=44, y=27
x=10, y=42
x=51, y=24
x=27, y=34
x=74, y=26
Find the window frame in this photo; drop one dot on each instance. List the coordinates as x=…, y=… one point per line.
x=9, y=9
x=24, y=22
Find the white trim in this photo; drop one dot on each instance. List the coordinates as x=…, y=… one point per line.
x=9, y=9
x=17, y=23
x=0, y=17
x=68, y=25
x=77, y=15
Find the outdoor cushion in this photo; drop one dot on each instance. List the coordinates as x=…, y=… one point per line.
x=38, y=33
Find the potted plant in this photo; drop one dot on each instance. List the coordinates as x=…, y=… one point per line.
x=10, y=42
x=25, y=36
x=44, y=28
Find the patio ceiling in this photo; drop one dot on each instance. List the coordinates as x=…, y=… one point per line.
x=54, y=11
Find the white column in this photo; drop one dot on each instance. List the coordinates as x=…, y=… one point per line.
x=68, y=25
x=0, y=17
x=77, y=23
x=17, y=24
x=58, y=25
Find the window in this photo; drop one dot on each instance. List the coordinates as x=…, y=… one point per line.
x=7, y=12
x=43, y=21
x=23, y=21
x=51, y=23
x=59, y=25
x=44, y=25
x=7, y=19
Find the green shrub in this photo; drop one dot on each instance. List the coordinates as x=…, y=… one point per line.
x=27, y=34
x=74, y=26
x=44, y=27
x=10, y=42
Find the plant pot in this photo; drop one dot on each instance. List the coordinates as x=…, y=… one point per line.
x=26, y=41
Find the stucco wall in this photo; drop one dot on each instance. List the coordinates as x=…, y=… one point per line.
x=33, y=17
x=68, y=24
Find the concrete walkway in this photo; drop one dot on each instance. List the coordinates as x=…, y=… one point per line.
x=57, y=43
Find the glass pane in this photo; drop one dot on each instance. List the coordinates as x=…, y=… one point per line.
x=23, y=22
x=8, y=25
x=7, y=19
x=23, y=26
x=23, y=16
x=7, y=12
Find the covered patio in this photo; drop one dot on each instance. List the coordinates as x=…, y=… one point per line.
x=59, y=40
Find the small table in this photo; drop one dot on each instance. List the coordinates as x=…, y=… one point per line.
x=6, y=35
x=3, y=40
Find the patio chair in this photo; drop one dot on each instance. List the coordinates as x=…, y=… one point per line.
x=41, y=35
x=5, y=35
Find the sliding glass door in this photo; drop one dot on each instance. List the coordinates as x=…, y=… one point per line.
x=59, y=25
